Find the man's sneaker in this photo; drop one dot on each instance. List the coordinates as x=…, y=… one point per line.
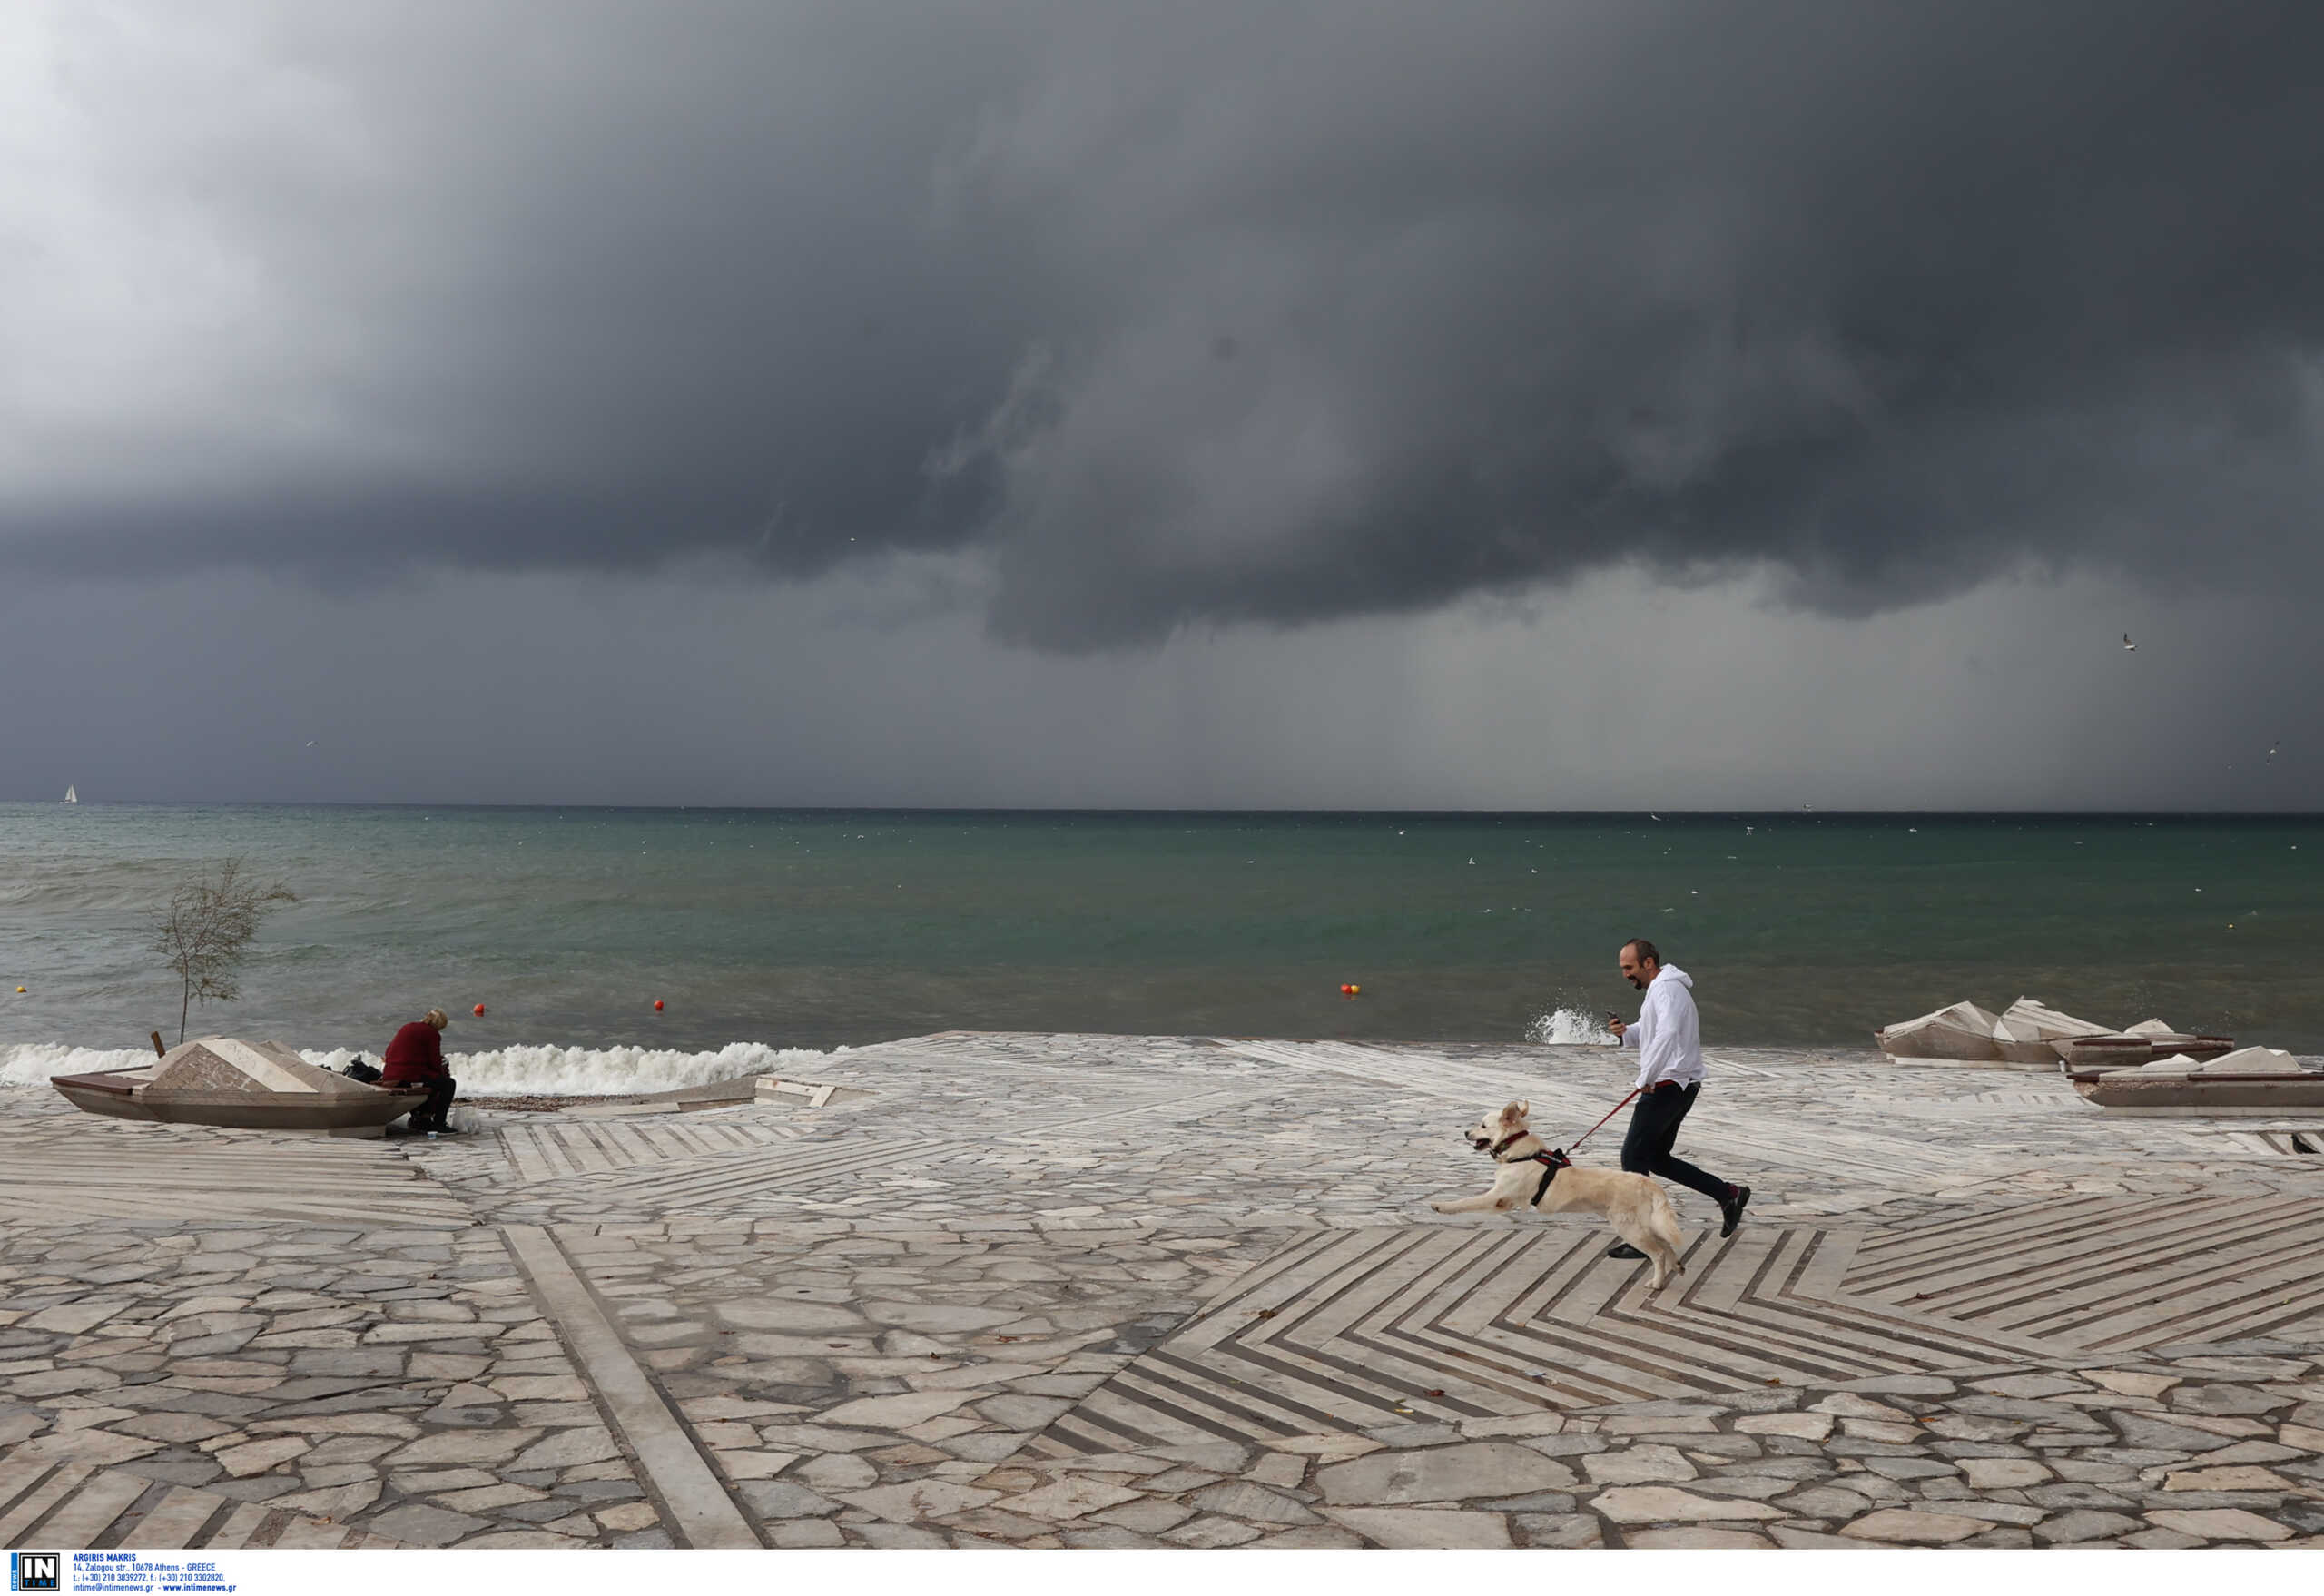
x=1623, y=1249
x=1730, y=1208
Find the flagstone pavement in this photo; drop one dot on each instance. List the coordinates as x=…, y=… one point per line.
x=1070, y=1291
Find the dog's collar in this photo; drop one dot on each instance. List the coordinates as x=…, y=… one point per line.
x=1507, y=1142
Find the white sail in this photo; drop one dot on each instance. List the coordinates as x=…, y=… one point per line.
x=71, y=796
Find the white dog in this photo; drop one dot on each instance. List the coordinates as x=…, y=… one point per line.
x=1530, y=1174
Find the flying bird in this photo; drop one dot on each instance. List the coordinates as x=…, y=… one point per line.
x=2274, y=747
x=2128, y=646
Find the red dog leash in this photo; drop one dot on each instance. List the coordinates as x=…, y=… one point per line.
x=1553, y=1160
x=1617, y=1108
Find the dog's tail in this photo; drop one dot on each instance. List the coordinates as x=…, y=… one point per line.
x=1663, y=1220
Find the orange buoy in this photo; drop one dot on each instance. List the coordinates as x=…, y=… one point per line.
x=657, y=1005
x=20, y=988
x=480, y=1008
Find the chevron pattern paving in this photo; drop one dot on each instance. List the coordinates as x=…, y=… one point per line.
x=58, y=1503
x=57, y=1172
x=825, y=1163
x=557, y=1150
x=1358, y=1328
x=2107, y=1274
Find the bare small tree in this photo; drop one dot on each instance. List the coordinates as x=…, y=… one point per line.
x=205, y=931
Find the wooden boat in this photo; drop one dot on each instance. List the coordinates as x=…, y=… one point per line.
x=2266, y=1083
x=249, y=1085
x=2028, y=1034
x=2129, y=1050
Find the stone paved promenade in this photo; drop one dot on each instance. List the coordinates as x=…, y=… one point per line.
x=1086, y=1291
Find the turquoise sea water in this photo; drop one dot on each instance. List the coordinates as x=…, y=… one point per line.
x=816, y=929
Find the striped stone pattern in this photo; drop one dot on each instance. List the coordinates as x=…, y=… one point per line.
x=45, y=1503
x=2104, y=1273
x=66, y=1176
x=557, y=1150
x=1428, y=1075
x=831, y=1164
x=2294, y=1142
x=1359, y=1329
x=821, y=1164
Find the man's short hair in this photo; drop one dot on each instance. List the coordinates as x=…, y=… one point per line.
x=1647, y=953
x=435, y=1017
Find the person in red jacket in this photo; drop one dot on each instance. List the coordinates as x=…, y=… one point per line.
x=416, y=1055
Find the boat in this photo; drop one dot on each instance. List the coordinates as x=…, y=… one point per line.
x=2252, y=1082
x=248, y=1086
x=1962, y=1032
x=71, y=796
x=2030, y=1031
x=2130, y=1049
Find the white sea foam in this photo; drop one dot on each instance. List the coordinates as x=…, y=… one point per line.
x=1570, y=1028
x=500, y=1072
x=30, y=1063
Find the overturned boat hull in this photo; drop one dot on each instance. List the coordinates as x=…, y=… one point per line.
x=2127, y=1051
x=2202, y=1096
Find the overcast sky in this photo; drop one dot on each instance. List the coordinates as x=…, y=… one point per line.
x=1526, y=405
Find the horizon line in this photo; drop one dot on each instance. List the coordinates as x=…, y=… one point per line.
x=1128, y=810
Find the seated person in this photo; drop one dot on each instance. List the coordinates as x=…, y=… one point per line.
x=416, y=1056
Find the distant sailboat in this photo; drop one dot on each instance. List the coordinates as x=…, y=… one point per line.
x=71, y=796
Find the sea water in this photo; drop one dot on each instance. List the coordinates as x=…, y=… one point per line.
x=773, y=936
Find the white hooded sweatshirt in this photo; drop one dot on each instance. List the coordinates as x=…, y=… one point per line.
x=1667, y=1035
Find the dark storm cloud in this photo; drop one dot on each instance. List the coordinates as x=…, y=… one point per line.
x=1184, y=314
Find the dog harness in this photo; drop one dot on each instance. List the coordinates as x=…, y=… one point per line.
x=1551, y=1160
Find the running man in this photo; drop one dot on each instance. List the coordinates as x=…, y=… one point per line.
x=1668, y=1040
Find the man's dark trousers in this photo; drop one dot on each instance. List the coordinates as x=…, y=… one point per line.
x=429, y=1115
x=1654, y=1131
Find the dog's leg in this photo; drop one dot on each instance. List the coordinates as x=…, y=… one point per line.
x=1502, y=1196
x=1662, y=1239
x=1473, y=1205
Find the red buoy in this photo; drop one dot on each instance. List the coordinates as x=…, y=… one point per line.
x=480, y=1008
x=657, y=1005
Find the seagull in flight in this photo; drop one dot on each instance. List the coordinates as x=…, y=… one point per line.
x=2129, y=647
x=2274, y=747
x=310, y=742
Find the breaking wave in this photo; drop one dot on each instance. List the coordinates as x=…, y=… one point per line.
x=1570, y=1028
x=542, y=1072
